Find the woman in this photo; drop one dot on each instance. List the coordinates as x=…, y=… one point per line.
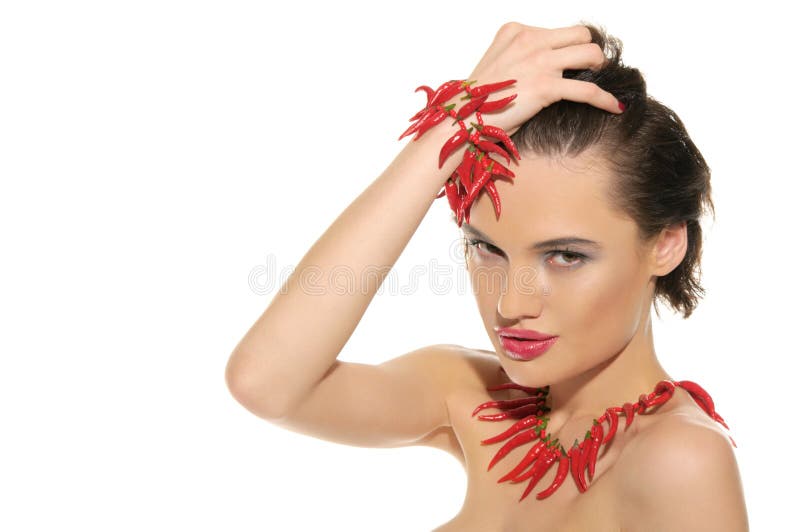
x=601, y=164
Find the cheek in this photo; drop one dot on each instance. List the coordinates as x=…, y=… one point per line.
x=608, y=309
x=484, y=269
x=487, y=283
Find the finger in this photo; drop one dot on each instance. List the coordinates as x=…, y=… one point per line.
x=501, y=41
x=543, y=37
x=561, y=37
x=505, y=36
x=577, y=56
x=587, y=92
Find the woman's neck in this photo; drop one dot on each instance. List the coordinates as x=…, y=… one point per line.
x=622, y=378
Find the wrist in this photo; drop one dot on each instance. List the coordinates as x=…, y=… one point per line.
x=467, y=147
x=425, y=151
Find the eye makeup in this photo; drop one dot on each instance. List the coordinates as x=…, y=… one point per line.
x=572, y=258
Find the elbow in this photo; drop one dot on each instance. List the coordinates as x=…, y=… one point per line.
x=252, y=391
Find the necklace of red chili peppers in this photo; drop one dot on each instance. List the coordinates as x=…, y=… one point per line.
x=581, y=456
x=477, y=170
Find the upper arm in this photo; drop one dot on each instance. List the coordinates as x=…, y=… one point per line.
x=400, y=402
x=684, y=477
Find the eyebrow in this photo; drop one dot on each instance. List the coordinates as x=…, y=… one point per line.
x=560, y=241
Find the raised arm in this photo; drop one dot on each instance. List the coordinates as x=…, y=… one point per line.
x=291, y=349
x=285, y=368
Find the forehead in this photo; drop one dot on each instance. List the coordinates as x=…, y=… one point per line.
x=550, y=196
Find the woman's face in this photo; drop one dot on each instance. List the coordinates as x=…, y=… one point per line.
x=593, y=296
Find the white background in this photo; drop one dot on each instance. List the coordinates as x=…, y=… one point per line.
x=154, y=156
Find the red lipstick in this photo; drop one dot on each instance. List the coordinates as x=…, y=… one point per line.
x=524, y=344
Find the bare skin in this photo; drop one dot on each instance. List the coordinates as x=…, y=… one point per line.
x=612, y=502
x=673, y=470
x=599, y=304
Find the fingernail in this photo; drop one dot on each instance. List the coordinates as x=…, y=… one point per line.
x=621, y=106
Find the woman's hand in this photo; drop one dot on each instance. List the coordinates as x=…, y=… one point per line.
x=537, y=58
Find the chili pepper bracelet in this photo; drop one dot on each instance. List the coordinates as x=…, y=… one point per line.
x=477, y=170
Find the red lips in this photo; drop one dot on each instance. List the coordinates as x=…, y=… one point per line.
x=527, y=334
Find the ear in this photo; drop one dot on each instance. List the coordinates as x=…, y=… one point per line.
x=669, y=249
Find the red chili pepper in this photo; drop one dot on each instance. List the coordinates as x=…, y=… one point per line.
x=696, y=389
x=462, y=191
x=522, y=411
x=483, y=176
x=499, y=169
x=628, y=409
x=584, y=456
x=497, y=133
x=542, y=466
x=574, y=454
x=507, y=403
x=527, y=474
x=613, y=422
x=447, y=90
x=426, y=116
x=492, y=191
x=516, y=441
x=528, y=422
x=491, y=147
x=480, y=90
x=708, y=409
x=428, y=93
x=718, y=418
x=460, y=212
x=465, y=168
x=703, y=399
x=490, y=107
x=663, y=394
x=561, y=474
x=643, y=403
x=419, y=114
x=664, y=387
x=494, y=417
x=597, y=438
x=526, y=410
x=411, y=129
x=465, y=207
x=452, y=144
x=479, y=172
x=657, y=401
x=702, y=404
x=430, y=121
x=528, y=459
x=470, y=107
x=452, y=193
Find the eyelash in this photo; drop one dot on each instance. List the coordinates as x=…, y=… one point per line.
x=580, y=256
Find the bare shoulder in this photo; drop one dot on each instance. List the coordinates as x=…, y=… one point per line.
x=682, y=470
x=455, y=367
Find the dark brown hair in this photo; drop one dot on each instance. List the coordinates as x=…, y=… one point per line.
x=660, y=176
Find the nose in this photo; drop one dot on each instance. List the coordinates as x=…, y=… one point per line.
x=522, y=294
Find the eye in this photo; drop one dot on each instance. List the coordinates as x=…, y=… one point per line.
x=489, y=248
x=572, y=258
